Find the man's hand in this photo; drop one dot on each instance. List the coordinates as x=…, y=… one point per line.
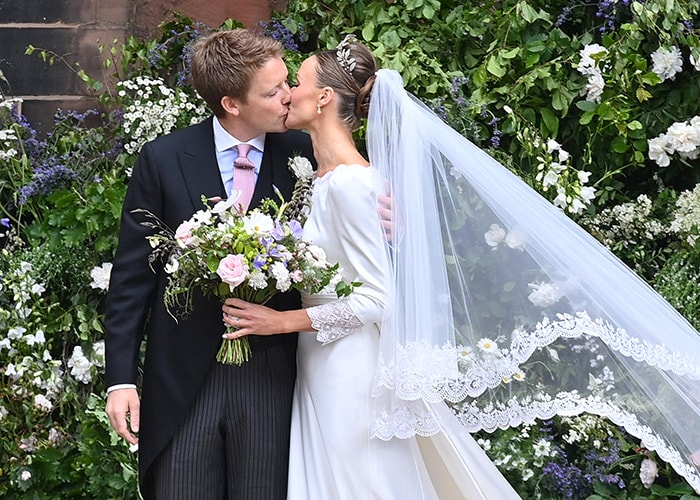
x=123, y=408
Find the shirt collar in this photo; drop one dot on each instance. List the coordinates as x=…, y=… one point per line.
x=223, y=140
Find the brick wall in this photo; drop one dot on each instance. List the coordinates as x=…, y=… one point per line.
x=74, y=29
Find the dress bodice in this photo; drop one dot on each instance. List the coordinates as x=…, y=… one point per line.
x=344, y=222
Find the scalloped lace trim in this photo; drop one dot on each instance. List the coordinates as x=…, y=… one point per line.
x=409, y=418
x=453, y=373
x=333, y=320
x=404, y=420
x=514, y=412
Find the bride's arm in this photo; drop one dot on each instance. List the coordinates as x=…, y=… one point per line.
x=353, y=203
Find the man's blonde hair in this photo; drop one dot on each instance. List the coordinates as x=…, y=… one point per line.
x=224, y=62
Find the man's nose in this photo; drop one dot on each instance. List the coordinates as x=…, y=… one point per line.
x=287, y=95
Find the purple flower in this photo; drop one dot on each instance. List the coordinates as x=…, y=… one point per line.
x=267, y=242
x=297, y=229
x=278, y=31
x=5, y=222
x=259, y=261
x=278, y=233
x=45, y=180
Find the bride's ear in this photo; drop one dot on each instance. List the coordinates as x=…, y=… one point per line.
x=327, y=95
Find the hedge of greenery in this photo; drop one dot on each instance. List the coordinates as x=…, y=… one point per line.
x=596, y=105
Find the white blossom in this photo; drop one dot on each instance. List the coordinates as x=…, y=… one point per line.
x=695, y=60
x=281, y=274
x=686, y=216
x=5, y=344
x=98, y=353
x=587, y=61
x=55, y=436
x=316, y=256
x=544, y=294
x=257, y=280
x=301, y=167
x=100, y=276
x=588, y=67
x=667, y=63
x=258, y=223
x=515, y=240
x=16, y=332
x=658, y=150
x=550, y=179
x=487, y=345
x=43, y=403
x=37, y=338
x=595, y=86
x=682, y=138
x=172, y=266
x=542, y=448
x=648, y=471
x=80, y=366
x=495, y=235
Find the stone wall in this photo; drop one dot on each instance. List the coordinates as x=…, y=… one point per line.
x=74, y=29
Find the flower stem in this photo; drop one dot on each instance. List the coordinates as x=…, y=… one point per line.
x=234, y=351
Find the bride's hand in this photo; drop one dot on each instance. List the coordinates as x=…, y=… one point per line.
x=249, y=319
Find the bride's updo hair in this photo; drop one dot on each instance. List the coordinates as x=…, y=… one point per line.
x=350, y=71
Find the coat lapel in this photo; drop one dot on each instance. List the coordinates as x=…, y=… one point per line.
x=273, y=171
x=199, y=166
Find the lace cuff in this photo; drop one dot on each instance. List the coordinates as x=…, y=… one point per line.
x=333, y=320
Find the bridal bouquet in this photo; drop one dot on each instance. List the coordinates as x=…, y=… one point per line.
x=252, y=255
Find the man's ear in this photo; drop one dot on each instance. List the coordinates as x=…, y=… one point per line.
x=230, y=105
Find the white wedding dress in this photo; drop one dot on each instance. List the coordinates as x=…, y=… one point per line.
x=333, y=454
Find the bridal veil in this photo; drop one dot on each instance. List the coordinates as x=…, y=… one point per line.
x=504, y=310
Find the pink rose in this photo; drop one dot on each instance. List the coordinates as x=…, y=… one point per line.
x=183, y=233
x=232, y=270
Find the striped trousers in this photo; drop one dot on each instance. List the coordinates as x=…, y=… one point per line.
x=234, y=445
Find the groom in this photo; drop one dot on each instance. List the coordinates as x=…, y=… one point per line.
x=205, y=430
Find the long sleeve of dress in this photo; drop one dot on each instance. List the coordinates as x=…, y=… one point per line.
x=346, y=224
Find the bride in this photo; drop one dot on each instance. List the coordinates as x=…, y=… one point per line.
x=487, y=309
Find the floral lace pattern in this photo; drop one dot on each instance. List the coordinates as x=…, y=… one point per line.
x=405, y=420
x=449, y=373
x=333, y=320
x=420, y=374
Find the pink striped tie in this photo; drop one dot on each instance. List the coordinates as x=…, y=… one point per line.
x=244, y=176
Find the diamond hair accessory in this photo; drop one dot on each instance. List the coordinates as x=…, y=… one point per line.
x=342, y=53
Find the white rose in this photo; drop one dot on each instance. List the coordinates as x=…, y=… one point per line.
x=514, y=240
x=667, y=62
x=301, y=167
x=648, y=471
x=495, y=235
x=544, y=294
x=658, y=150
x=316, y=256
x=101, y=275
